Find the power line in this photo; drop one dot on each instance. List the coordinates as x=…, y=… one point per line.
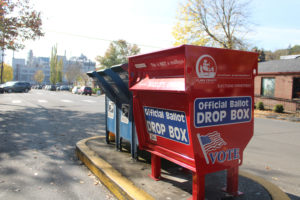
x=102, y=39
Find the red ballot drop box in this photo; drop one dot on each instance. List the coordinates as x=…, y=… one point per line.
x=194, y=106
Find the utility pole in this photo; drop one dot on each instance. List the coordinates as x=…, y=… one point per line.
x=2, y=41
x=2, y=61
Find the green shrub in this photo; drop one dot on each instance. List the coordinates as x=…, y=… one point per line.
x=260, y=105
x=94, y=90
x=278, y=108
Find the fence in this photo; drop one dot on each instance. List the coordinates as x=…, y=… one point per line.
x=289, y=105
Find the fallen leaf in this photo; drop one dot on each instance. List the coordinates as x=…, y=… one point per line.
x=81, y=182
x=275, y=178
x=267, y=167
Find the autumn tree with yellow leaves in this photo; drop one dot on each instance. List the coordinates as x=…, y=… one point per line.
x=7, y=73
x=39, y=76
x=216, y=23
x=18, y=22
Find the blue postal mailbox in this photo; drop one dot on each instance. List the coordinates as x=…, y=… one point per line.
x=117, y=79
x=110, y=103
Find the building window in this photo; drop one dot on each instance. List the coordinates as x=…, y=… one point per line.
x=296, y=88
x=268, y=87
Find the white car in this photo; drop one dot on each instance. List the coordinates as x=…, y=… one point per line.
x=75, y=90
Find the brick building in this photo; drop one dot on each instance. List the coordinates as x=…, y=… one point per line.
x=278, y=82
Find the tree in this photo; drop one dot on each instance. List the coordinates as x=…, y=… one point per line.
x=83, y=78
x=7, y=73
x=56, y=67
x=18, y=22
x=59, y=71
x=261, y=54
x=53, y=64
x=294, y=50
x=39, y=76
x=117, y=53
x=269, y=55
x=73, y=72
x=219, y=23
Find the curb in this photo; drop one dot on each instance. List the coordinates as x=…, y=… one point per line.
x=275, y=192
x=120, y=186
x=123, y=188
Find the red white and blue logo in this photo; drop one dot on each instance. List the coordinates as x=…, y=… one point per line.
x=213, y=141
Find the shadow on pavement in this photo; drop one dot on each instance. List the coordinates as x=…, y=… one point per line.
x=42, y=140
x=293, y=197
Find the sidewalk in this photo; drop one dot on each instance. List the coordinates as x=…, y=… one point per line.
x=293, y=117
x=128, y=179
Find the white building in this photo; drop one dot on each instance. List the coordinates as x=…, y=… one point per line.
x=24, y=71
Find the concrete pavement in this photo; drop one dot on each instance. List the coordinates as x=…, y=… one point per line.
x=128, y=179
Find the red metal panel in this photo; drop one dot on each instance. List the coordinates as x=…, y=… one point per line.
x=194, y=106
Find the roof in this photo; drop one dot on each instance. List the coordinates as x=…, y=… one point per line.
x=279, y=66
x=289, y=57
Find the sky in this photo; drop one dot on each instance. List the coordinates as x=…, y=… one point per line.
x=87, y=27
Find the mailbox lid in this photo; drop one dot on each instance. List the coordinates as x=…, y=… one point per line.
x=122, y=71
x=117, y=77
x=99, y=76
x=160, y=85
x=158, y=71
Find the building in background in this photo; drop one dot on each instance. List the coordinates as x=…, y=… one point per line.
x=278, y=82
x=24, y=70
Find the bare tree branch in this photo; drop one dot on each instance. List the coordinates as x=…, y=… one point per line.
x=223, y=22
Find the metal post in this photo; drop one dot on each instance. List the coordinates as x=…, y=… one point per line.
x=155, y=167
x=2, y=61
x=106, y=129
x=133, y=133
x=198, y=187
x=118, y=137
x=233, y=181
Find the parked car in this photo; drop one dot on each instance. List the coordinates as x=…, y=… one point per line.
x=75, y=90
x=52, y=88
x=64, y=88
x=2, y=88
x=85, y=90
x=16, y=86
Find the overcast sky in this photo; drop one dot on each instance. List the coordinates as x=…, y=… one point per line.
x=88, y=26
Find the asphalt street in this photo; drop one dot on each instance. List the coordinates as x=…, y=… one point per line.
x=38, y=133
x=274, y=154
x=39, y=130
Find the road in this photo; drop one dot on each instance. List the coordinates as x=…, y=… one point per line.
x=38, y=133
x=39, y=130
x=274, y=154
